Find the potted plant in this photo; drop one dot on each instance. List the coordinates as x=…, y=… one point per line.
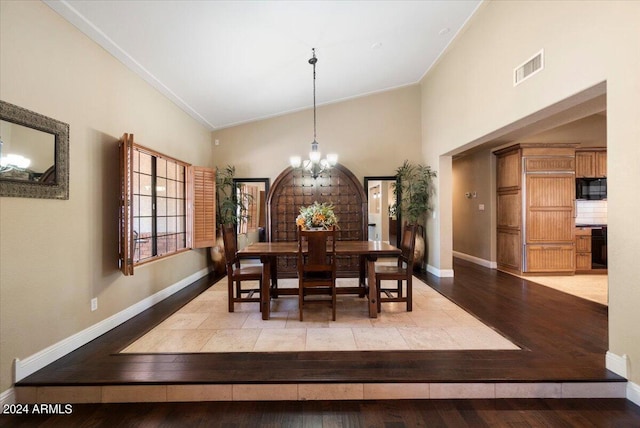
x=230, y=209
x=413, y=191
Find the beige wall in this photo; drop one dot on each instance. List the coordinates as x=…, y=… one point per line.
x=469, y=94
x=590, y=131
x=55, y=256
x=372, y=135
x=472, y=231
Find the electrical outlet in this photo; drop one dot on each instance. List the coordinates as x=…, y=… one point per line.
x=94, y=304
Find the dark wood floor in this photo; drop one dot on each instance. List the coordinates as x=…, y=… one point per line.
x=563, y=338
x=389, y=414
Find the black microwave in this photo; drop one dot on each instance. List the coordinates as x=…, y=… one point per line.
x=591, y=188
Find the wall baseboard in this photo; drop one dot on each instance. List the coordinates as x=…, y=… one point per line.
x=7, y=397
x=619, y=365
x=477, y=260
x=35, y=362
x=616, y=363
x=442, y=273
x=633, y=393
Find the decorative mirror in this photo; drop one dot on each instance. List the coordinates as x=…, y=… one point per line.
x=383, y=219
x=34, y=154
x=251, y=196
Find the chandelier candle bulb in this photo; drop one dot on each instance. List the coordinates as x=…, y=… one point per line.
x=295, y=161
x=315, y=156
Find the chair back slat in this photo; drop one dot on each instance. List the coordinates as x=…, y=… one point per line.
x=321, y=248
x=408, y=243
x=230, y=247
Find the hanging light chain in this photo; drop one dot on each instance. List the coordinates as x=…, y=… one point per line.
x=313, y=62
x=315, y=165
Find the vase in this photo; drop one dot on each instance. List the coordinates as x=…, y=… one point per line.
x=216, y=254
x=419, y=249
x=418, y=252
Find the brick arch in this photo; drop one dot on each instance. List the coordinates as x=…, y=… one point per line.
x=293, y=189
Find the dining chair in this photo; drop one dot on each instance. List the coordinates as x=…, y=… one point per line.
x=237, y=273
x=316, y=267
x=402, y=271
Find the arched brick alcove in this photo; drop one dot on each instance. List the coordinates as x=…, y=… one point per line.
x=293, y=189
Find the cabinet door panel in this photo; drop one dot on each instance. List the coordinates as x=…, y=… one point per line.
x=509, y=249
x=550, y=213
x=550, y=258
x=549, y=226
x=583, y=261
x=508, y=170
x=550, y=191
x=601, y=164
x=585, y=164
x=509, y=209
x=555, y=164
x=583, y=244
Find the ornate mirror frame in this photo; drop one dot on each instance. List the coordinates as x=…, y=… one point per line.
x=59, y=188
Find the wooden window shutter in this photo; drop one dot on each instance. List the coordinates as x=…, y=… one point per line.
x=126, y=216
x=204, y=207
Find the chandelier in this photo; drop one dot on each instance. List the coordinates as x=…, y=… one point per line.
x=315, y=164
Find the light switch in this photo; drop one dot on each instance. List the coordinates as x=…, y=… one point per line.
x=481, y=207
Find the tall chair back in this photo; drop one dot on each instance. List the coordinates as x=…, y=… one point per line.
x=237, y=273
x=230, y=246
x=402, y=272
x=408, y=245
x=317, y=265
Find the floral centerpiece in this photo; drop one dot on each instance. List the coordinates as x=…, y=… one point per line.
x=317, y=216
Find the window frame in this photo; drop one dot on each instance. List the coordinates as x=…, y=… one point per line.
x=194, y=205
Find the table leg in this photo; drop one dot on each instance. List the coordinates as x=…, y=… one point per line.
x=362, y=280
x=274, y=276
x=265, y=293
x=373, y=292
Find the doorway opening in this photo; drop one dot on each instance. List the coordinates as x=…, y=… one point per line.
x=581, y=120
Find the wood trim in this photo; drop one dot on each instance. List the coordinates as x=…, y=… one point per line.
x=204, y=207
x=158, y=155
x=126, y=217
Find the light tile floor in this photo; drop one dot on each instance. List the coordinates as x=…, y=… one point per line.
x=591, y=287
x=205, y=325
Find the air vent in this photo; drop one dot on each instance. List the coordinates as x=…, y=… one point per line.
x=528, y=68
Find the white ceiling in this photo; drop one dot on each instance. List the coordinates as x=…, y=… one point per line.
x=230, y=62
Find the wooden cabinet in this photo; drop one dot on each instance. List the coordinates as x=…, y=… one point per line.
x=550, y=258
x=509, y=209
x=535, y=208
x=583, y=249
x=601, y=164
x=591, y=163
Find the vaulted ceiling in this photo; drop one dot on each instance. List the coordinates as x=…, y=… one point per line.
x=230, y=62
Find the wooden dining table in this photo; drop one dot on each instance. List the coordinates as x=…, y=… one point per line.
x=368, y=251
